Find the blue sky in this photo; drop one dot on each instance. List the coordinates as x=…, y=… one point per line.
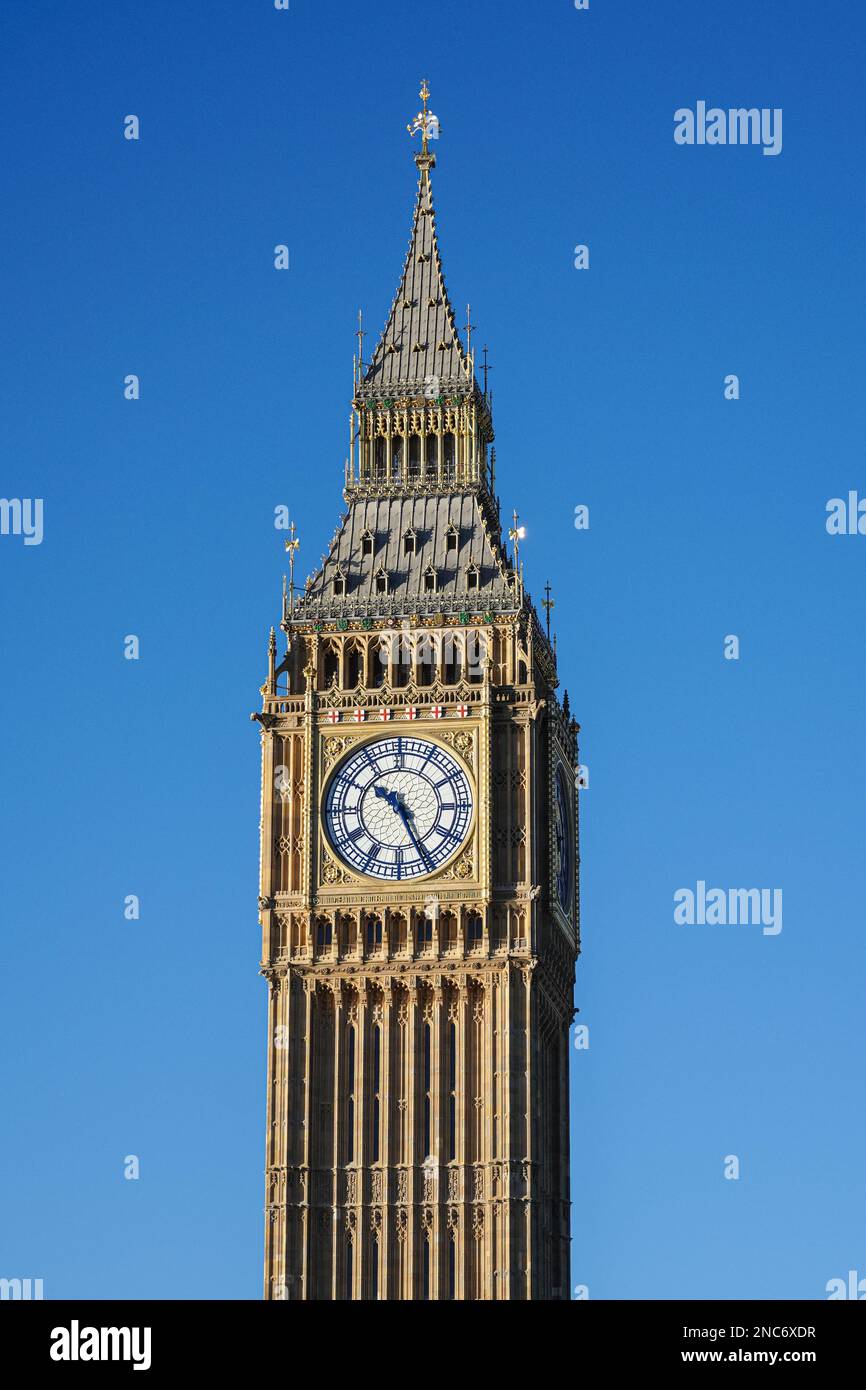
x=707, y=518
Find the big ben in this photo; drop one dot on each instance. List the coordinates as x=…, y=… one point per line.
x=419, y=856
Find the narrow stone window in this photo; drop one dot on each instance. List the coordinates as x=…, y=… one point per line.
x=426, y=1047
x=414, y=458
x=448, y=458
x=377, y=1071
x=350, y=1094
x=452, y=1090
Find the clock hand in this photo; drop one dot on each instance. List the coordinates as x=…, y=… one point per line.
x=390, y=797
x=404, y=815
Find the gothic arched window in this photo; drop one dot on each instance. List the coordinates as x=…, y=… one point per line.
x=448, y=458
x=354, y=667
x=414, y=458
x=330, y=666
x=380, y=460
x=452, y=660
x=426, y=661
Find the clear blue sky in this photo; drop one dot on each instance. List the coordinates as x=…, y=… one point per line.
x=706, y=518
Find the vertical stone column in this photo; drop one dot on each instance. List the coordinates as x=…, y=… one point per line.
x=413, y=1143
x=531, y=1167
x=274, y=1259
x=485, y=1085
x=303, y=1188
x=387, y=1146
x=461, y=1148
x=435, y=1192
x=338, y=1190
x=266, y=855
x=563, y=1214
x=362, y=1044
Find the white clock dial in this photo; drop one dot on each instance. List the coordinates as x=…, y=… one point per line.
x=398, y=807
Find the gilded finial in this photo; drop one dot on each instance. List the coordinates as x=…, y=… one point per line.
x=291, y=547
x=428, y=124
x=516, y=534
x=547, y=604
x=469, y=329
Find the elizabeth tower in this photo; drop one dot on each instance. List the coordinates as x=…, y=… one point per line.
x=419, y=892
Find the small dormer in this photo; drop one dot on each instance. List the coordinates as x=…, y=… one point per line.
x=452, y=537
x=429, y=580
x=368, y=542
x=410, y=542
x=380, y=580
x=473, y=577
x=339, y=582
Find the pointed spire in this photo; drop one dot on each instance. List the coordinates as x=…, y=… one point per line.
x=420, y=347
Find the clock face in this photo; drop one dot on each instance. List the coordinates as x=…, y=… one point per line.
x=562, y=824
x=398, y=807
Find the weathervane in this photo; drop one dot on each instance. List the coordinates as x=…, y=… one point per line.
x=516, y=535
x=425, y=121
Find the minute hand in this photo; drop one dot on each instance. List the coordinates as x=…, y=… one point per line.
x=404, y=816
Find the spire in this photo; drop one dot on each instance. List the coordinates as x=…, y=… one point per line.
x=420, y=346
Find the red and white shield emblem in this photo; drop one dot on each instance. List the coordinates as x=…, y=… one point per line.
x=384, y=714
x=360, y=715
x=437, y=711
x=333, y=716
x=463, y=710
x=411, y=712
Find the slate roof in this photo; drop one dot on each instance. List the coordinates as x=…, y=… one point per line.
x=429, y=515
x=410, y=351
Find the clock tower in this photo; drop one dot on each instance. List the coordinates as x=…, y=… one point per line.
x=419, y=889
